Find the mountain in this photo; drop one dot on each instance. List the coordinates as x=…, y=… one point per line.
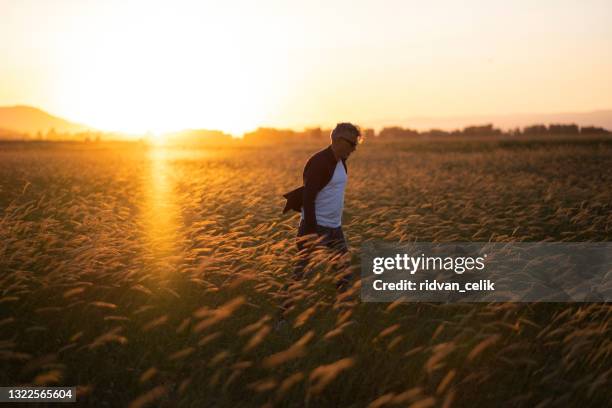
x=601, y=118
x=27, y=119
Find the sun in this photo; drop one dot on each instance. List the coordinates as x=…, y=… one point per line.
x=138, y=78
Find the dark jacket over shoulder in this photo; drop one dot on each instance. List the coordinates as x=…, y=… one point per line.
x=318, y=171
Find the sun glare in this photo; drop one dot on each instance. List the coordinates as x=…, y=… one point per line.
x=143, y=66
x=140, y=78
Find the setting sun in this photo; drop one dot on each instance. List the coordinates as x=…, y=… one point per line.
x=143, y=66
x=138, y=77
x=151, y=69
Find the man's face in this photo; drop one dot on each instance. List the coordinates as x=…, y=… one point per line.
x=345, y=144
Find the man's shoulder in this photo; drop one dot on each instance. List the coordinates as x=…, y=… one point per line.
x=322, y=156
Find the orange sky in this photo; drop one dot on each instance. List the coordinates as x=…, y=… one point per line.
x=234, y=65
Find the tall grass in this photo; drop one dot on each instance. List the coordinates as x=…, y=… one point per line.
x=153, y=277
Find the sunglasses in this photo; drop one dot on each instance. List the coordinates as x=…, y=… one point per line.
x=353, y=144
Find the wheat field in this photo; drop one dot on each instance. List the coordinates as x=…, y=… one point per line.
x=152, y=276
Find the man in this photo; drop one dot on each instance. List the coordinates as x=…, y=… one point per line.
x=321, y=199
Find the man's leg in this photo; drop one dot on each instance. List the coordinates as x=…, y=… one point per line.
x=342, y=262
x=332, y=238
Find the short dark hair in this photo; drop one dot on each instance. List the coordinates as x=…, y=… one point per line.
x=345, y=127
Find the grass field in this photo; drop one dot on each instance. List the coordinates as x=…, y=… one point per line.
x=152, y=275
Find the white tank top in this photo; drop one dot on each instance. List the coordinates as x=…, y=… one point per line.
x=330, y=200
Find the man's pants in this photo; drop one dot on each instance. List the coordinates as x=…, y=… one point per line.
x=332, y=238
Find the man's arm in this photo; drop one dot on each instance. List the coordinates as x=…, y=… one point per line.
x=312, y=179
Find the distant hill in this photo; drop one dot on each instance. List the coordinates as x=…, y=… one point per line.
x=602, y=118
x=27, y=119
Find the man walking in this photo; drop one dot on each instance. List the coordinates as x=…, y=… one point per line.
x=321, y=199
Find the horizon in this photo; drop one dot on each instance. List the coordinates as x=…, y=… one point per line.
x=448, y=124
x=225, y=66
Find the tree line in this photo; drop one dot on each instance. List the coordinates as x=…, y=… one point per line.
x=490, y=130
x=273, y=135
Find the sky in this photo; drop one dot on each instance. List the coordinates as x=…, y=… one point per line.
x=157, y=66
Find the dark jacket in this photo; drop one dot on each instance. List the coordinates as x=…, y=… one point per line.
x=318, y=171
